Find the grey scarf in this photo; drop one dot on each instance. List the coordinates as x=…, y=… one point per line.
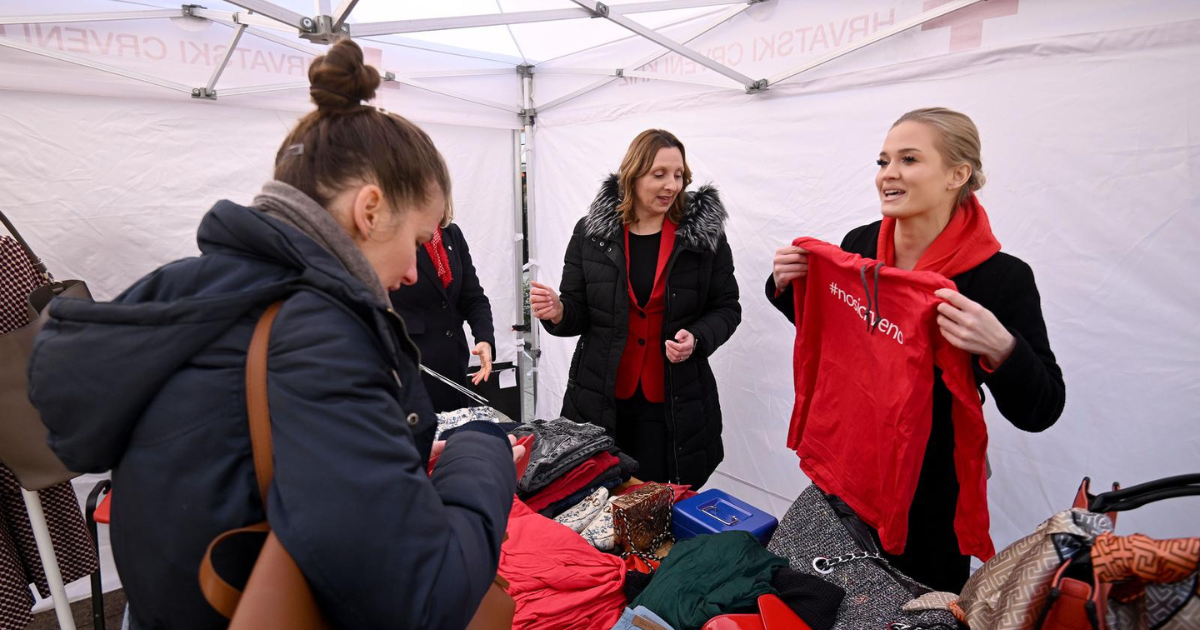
x=286, y=203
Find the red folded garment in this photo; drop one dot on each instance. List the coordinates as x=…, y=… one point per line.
x=557, y=579
x=573, y=481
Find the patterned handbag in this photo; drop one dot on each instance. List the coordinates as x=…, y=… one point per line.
x=1073, y=573
x=822, y=536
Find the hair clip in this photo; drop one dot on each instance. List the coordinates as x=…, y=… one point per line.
x=295, y=149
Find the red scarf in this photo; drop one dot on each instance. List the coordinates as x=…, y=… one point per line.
x=965, y=242
x=437, y=253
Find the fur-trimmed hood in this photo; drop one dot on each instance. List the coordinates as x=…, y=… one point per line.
x=702, y=227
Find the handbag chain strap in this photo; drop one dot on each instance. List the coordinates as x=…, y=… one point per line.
x=655, y=544
x=824, y=565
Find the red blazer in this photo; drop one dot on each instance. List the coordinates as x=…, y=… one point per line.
x=643, y=358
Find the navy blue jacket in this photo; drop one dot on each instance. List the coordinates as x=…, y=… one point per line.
x=435, y=314
x=152, y=386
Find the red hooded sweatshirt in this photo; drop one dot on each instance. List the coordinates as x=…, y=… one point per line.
x=867, y=343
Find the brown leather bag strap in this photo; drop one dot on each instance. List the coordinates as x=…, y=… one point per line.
x=220, y=594
x=256, y=402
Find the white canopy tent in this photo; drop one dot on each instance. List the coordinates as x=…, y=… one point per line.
x=126, y=120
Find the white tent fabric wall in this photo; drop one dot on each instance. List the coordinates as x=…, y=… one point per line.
x=1091, y=163
x=107, y=189
x=1085, y=107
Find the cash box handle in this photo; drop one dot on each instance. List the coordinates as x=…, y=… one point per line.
x=708, y=510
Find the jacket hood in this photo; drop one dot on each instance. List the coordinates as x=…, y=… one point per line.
x=702, y=226
x=109, y=360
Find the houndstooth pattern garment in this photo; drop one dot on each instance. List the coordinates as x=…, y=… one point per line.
x=20, y=564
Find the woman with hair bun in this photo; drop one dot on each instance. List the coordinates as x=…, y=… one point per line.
x=929, y=170
x=152, y=386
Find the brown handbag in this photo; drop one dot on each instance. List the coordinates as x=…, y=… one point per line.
x=277, y=596
x=23, y=445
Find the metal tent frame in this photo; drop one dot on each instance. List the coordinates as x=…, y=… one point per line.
x=270, y=21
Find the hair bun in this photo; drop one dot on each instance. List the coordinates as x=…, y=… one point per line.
x=339, y=78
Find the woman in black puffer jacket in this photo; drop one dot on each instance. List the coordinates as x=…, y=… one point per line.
x=648, y=287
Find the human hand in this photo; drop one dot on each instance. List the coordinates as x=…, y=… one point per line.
x=967, y=325
x=682, y=348
x=483, y=350
x=518, y=450
x=790, y=262
x=544, y=302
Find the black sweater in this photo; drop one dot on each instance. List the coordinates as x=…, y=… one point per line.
x=1028, y=389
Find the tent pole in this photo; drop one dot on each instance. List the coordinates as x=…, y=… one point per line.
x=918, y=20
x=342, y=12
x=527, y=17
x=112, y=16
x=729, y=15
x=209, y=89
x=95, y=65
x=458, y=95
x=618, y=73
x=277, y=13
x=603, y=11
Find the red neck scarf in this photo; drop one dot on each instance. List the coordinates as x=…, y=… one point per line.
x=437, y=253
x=965, y=242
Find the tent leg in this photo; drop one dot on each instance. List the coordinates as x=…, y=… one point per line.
x=41, y=533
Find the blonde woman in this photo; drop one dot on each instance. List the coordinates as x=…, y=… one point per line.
x=648, y=288
x=929, y=170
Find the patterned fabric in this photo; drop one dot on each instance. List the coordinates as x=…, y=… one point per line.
x=437, y=253
x=20, y=564
x=561, y=445
x=1119, y=558
x=936, y=600
x=600, y=532
x=1162, y=607
x=18, y=279
x=453, y=419
x=875, y=591
x=1010, y=591
x=579, y=517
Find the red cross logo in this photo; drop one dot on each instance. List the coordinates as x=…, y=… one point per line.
x=966, y=25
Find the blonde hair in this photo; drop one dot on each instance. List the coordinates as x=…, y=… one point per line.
x=958, y=142
x=639, y=159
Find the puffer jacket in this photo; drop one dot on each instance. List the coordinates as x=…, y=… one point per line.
x=701, y=297
x=152, y=385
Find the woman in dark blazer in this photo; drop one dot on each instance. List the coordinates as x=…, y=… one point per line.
x=447, y=293
x=929, y=170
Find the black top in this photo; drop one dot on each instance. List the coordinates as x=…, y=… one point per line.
x=1028, y=389
x=643, y=263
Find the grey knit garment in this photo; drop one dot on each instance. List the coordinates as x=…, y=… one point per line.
x=286, y=203
x=874, y=596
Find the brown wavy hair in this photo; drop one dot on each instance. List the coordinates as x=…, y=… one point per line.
x=639, y=159
x=345, y=142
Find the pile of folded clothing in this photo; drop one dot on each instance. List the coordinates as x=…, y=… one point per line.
x=557, y=580
x=569, y=463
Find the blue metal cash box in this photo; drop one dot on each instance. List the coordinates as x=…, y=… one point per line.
x=714, y=511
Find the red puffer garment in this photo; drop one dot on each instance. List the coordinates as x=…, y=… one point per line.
x=867, y=343
x=558, y=580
